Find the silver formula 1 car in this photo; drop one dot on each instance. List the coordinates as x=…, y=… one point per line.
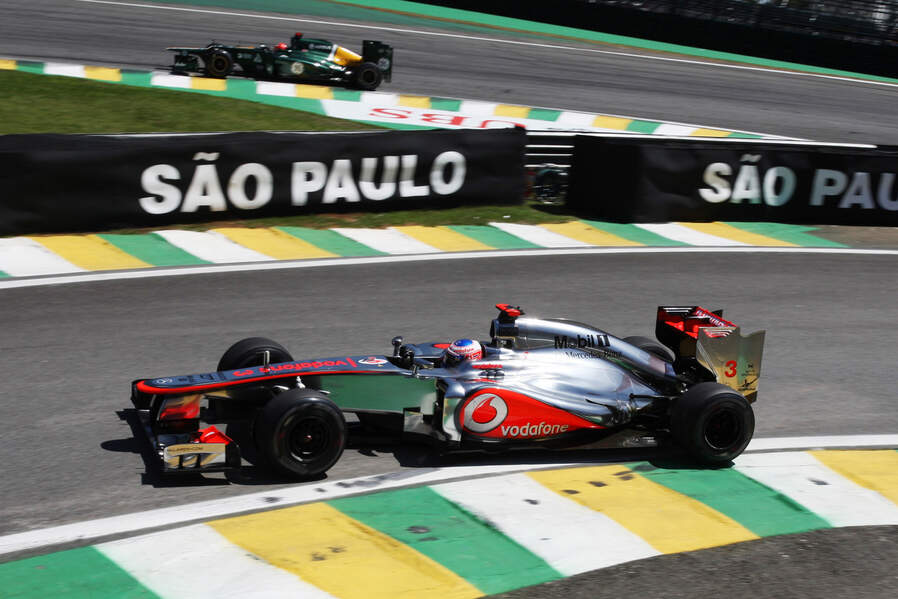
x=544, y=382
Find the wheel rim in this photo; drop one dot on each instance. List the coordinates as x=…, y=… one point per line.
x=219, y=63
x=368, y=77
x=723, y=429
x=308, y=439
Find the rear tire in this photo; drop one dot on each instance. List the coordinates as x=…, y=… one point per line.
x=713, y=423
x=651, y=346
x=301, y=433
x=219, y=64
x=367, y=76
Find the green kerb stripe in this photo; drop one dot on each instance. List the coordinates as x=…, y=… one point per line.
x=797, y=234
x=3, y=274
x=745, y=135
x=544, y=114
x=493, y=237
x=643, y=126
x=634, y=233
x=445, y=104
x=30, y=67
x=757, y=507
x=76, y=574
x=242, y=89
x=347, y=95
x=451, y=536
x=331, y=241
x=152, y=249
x=138, y=78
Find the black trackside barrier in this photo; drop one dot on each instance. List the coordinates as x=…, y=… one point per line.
x=660, y=180
x=52, y=183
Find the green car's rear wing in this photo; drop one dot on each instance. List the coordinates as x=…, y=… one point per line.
x=380, y=54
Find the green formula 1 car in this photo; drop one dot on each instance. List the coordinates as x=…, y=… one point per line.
x=302, y=60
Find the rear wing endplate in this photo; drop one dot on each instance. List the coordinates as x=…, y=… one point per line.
x=715, y=343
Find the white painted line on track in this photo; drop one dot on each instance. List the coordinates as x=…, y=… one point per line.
x=333, y=262
x=781, y=443
x=253, y=502
x=175, y=563
x=570, y=537
x=312, y=492
x=707, y=63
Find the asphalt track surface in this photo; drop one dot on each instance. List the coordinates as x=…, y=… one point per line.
x=70, y=351
x=567, y=79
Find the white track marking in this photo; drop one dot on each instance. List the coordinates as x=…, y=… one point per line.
x=801, y=477
x=673, y=129
x=173, y=81
x=387, y=240
x=570, y=537
x=707, y=63
x=148, y=273
x=212, y=246
x=540, y=236
x=24, y=257
x=252, y=502
x=379, y=98
x=178, y=563
x=823, y=441
x=274, y=88
x=64, y=69
x=687, y=235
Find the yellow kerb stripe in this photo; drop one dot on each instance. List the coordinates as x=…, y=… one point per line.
x=730, y=232
x=667, y=520
x=340, y=555
x=873, y=469
x=414, y=101
x=274, y=243
x=90, y=252
x=611, y=122
x=103, y=73
x=709, y=133
x=518, y=112
x=208, y=84
x=587, y=234
x=7, y=65
x=443, y=238
x=314, y=92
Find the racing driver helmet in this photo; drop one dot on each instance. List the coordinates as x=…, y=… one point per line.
x=461, y=350
x=281, y=47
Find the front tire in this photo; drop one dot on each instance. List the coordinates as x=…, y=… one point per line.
x=250, y=352
x=713, y=423
x=301, y=433
x=218, y=63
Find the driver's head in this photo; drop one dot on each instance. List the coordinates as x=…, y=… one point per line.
x=282, y=46
x=461, y=350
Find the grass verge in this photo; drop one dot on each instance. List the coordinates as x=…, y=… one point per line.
x=31, y=103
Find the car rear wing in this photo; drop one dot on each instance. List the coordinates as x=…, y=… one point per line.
x=705, y=337
x=380, y=54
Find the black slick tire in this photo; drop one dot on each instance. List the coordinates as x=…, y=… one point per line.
x=651, y=346
x=713, y=423
x=367, y=76
x=301, y=433
x=251, y=352
x=218, y=63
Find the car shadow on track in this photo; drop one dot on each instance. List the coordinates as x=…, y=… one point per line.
x=406, y=456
